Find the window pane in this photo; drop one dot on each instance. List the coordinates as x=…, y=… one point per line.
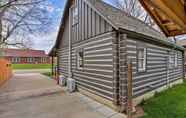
x=75, y=15
x=141, y=59
x=80, y=63
x=80, y=59
x=140, y=64
x=176, y=60
x=141, y=54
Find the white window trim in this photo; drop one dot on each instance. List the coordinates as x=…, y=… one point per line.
x=29, y=59
x=170, y=61
x=176, y=59
x=75, y=14
x=78, y=59
x=173, y=60
x=16, y=60
x=144, y=60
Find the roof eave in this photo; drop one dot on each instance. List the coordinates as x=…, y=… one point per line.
x=173, y=11
x=61, y=28
x=104, y=17
x=52, y=52
x=173, y=45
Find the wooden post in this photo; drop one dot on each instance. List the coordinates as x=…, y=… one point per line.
x=52, y=65
x=56, y=68
x=129, y=90
x=183, y=63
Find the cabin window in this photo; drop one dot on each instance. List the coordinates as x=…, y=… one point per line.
x=80, y=59
x=141, y=59
x=75, y=15
x=171, y=61
x=176, y=59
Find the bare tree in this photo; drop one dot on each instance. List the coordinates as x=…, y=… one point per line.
x=133, y=8
x=21, y=18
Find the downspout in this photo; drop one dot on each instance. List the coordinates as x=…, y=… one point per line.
x=69, y=55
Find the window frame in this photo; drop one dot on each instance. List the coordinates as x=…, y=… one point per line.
x=75, y=14
x=31, y=60
x=176, y=59
x=144, y=59
x=173, y=59
x=18, y=59
x=78, y=59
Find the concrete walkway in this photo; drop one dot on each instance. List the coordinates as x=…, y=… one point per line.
x=32, y=95
x=27, y=85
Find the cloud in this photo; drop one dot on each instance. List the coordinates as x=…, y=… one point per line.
x=50, y=8
x=45, y=41
x=59, y=10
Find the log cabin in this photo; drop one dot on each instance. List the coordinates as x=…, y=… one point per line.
x=95, y=43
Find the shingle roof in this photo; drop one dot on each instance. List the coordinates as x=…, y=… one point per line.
x=121, y=20
x=23, y=53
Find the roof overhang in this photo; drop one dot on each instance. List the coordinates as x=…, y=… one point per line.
x=53, y=52
x=149, y=39
x=170, y=15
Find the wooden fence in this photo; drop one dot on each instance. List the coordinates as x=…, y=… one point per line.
x=5, y=71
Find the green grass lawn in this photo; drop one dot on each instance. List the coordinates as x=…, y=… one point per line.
x=168, y=104
x=31, y=66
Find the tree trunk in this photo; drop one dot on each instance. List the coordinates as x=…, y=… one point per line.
x=1, y=25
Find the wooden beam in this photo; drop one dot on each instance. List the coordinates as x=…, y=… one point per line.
x=171, y=9
x=154, y=16
x=185, y=5
x=168, y=14
x=168, y=23
x=129, y=90
x=177, y=32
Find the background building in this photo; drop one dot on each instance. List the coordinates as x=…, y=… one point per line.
x=26, y=56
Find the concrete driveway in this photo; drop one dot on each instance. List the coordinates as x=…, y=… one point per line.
x=32, y=95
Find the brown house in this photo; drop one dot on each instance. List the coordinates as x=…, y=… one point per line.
x=26, y=56
x=95, y=43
